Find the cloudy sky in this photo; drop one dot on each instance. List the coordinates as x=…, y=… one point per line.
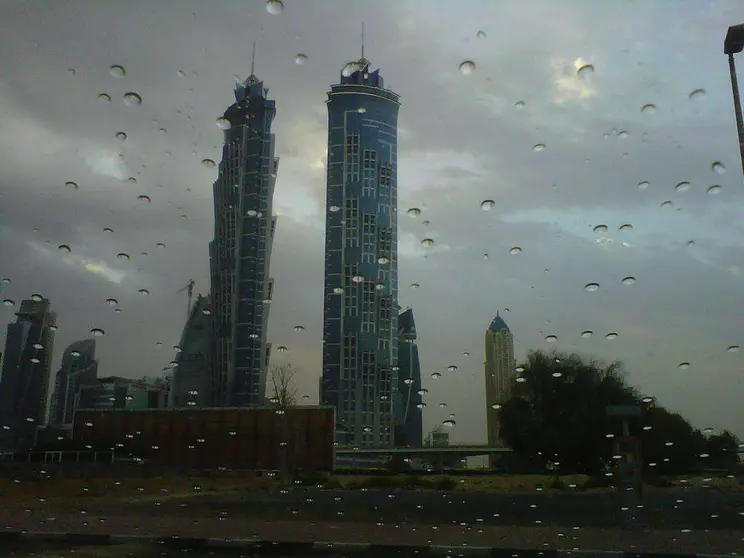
x=464, y=138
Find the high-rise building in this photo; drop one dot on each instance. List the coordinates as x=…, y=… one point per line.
x=500, y=370
x=408, y=414
x=191, y=377
x=79, y=367
x=241, y=250
x=360, y=330
x=27, y=364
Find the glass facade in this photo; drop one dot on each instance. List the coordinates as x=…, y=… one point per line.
x=360, y=330
x=191, y=377
x=241, y=250
x=79, y=367
x=408, y=415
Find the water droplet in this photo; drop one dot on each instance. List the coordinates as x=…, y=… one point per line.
x=667, y=203
x=600, y=229
x=123, y=256
x=338, y=290
x=349, y=68
x=97, y=332
x=481, y=34
x=626, y=227
x=274, y=7
x=585, y=70
x=628, y=280
x=519, y=105
x=683, y=365
x=538, y=147
x=623, y=134
x=467, y=67
x=209, y=163
x=72, y=185
x=64, y=248
x=299, y=328
x=413, y=212
x=223, y=123
x=180, y=73
x=436, y=375
x=713, y=190
x=121, y=136
x=132, y=99
x=485, y=256
x=611, y=335
x=643, y=185
x=160, y=245
x=449, y=423
x=452, y=368
x=591, y=287
x=357, y=279
x=551, y=338
x=696, y=94
x=648, y=109
x=8, y=302
x=143, y=292
x=36, y=297
x=487, y=205
x=428, y=242
x=112, y=301
x=586, y=334
x=718, y=167
x=104, y=98
x=282, y=348
x=143, y=198
x=682, y=187
x=382, y=260
x=300, y=59
x=733, y=349
x=117, y=71
x=515, y=250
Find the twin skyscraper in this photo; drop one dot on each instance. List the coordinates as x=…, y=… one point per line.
x=361, y=374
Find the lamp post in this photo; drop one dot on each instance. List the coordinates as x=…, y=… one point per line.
x=733, y=43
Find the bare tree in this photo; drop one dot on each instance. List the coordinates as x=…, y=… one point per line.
x=284, y=389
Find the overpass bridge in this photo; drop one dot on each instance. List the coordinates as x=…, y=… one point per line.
x=437, y=456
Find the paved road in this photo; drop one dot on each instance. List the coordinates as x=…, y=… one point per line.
x=698, y=509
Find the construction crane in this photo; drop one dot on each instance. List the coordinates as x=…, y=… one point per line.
x=190, y=292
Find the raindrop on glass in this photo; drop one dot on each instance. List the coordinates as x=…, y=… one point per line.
x=643, y=185
x=648, y=109
x=449, y=423
x=628, y=280
x=132, y=99
x=282, y=348
x=8, y=302
x=591, y=287
x=600, y=229
x=97, y=332
x=481, y=34
x=117, y=71
x=667, y=204
x=714, y=190
x=696, y=94
x=415, y=285
x=144, y=198
x=467, y=67
x=515, y=250
x=64, y=248
x=104, y=98
x=357, y=279
x=300, y=59
x=487, y=205
x=733, y=349
x=623, y=134
x=209, y=163
x=72, y=185
x=223, y=123
x=274, y=7
x=611, y=335
x=36, y=297
x=538, y=147
x=143, y=292
x=123, y=256
x=682, y=187
x=299, y=328
x=519, y=105
x=626, y=227
x=349, y=68
x=414, y=212
x=428, y=242
x=718, y=167
x=551, y=338
x=112, y=301
x=585, y=70
x=436, y=375
x=683, y=365
x=121, y=136
x=452, y=368
x=586, y=334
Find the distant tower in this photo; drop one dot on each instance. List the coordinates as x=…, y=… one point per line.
x=240, y=253
x=499, y=367
x=408, y=415
x=191, y=378
x=24, y=385
x=360, y=329
x=79, y=368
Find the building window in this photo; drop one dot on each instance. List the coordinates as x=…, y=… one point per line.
x=384, y=243
x=368, y=306
x=352, y=157
x=351, y=218
x=370, y=159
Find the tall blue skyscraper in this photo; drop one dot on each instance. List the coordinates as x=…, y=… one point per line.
x=241, y=250
x=360, y=330
x=408, y=415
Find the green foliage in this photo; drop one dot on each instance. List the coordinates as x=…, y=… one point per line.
x=558, y=415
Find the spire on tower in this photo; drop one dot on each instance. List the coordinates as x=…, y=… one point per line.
x=253, y=58
x=362, y=39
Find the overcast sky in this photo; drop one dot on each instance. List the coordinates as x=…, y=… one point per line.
x=464, y=138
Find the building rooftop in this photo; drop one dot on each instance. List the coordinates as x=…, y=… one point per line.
x=498, y=324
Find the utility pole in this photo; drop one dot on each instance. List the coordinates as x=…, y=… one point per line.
x=733, y=43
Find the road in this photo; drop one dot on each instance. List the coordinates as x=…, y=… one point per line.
x=695, y=509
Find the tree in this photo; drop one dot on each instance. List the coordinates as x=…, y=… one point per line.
x=284, y=390
x=557, y=412
x=722, y=450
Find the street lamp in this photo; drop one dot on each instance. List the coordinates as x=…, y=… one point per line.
x=733, y=43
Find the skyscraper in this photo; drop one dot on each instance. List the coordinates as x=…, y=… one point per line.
x=241, y=250
x=408, y=415
x=360, y=330
x=79, y=368
x=191, y=382
x=500, y=370
x=24, y=384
